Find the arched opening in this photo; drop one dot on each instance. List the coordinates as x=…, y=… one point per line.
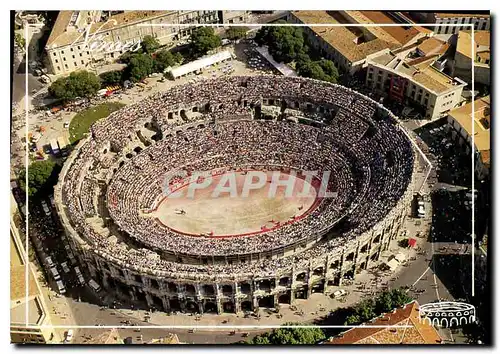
x=376, y=239
x=335, y=264
x=245, y=288
x=350, y=256
x=192, y=307
x=454, y=322
x=156, y=137
x=267, y=301
x=157, y=302
x=210, y=307
x=227, y=290
x=246, y=306
x=301, y=293
x=265, y=285
x=105, y=151
x=349, y=275
x=147, y=125
x=318, y=287
x=228, y=307
x=121, y=163
x=175, y=305
x=284, y=281
x=364, y=248
x=301, y=276
x=129, y=155
x=170, y=115
x=318, y=271
x=155, y=284
x=172, y=287
x=208, y=290
x=284, y=298
x=195, y=109
x=190, y=290
x=138, y=149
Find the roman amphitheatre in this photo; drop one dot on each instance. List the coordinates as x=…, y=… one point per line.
x=234, y=253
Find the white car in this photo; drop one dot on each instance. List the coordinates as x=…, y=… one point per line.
x=65, y=267
x=61, y=287
x=79, y=275
x=55, y=273
x=66, y=125
x=49, y=262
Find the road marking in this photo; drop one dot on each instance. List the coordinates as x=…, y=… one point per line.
x=420, y=277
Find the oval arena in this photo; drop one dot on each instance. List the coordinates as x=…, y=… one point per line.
x=233, y=254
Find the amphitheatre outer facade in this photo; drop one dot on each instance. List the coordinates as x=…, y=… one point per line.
x=115, y=176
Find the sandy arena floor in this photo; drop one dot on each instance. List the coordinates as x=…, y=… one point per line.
x=227, y=215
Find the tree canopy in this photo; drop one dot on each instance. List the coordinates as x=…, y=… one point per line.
x=111, y=77
x=290, y=336
x=234, y=33
x=164, y=58
x=320, y=70
x=285, y=43
x=370, y=308
x=149, y=44
x=204, y=39
x=42, y=176
x=78, y=84
x=139, y=67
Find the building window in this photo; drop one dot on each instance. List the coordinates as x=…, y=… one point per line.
x=66, y=66
x=74, y=63
x=54, y=53
x=82, y=62
x=79, y=48
x=71, y=49
x=62, y=51
x=80, y=54
x=58, y=68
x=57, y=61
x=64, y=58
x=73, y=57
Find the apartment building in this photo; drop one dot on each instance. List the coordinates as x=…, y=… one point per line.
x=350, y=46
x=461, y=21
x=109, y=35
x=465, y=124
x=29, y=314
x=469, y=51
x=406, y=77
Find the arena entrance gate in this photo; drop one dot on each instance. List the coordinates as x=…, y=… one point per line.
x=267, y=301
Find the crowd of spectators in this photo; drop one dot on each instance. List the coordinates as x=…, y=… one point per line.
x=370, y=158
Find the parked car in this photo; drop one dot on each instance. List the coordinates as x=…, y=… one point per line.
x=49, y=262
x=55, y=273
x=65, y=267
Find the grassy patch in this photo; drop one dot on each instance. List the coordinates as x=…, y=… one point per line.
x=80, y=124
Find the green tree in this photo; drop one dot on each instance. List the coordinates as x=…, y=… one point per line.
x=383, y=303
x=149, y=44
x=285, y=43
x=399, y=298
x=234, y=33
x=111, y=77
x=140, y=66
x=42, y=176
x=290, y=336
x=20, y=41
x=164, y=59
x=204, y=39
x=77, y=84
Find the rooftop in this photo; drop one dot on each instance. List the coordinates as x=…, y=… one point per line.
x=421, y=72
x=451, y=14
x=418, y=332
x=346, y=39
x=432, y=46
x=481, y=39
x=482, y=123
x=61, y=35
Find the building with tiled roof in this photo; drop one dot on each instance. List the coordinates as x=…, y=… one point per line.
x=402, y=326
x=29, y=314
x=349, y=46
x=460, y=21
x=475, y=50
x=113, y=33
x=410, y=76
x=465, y=125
